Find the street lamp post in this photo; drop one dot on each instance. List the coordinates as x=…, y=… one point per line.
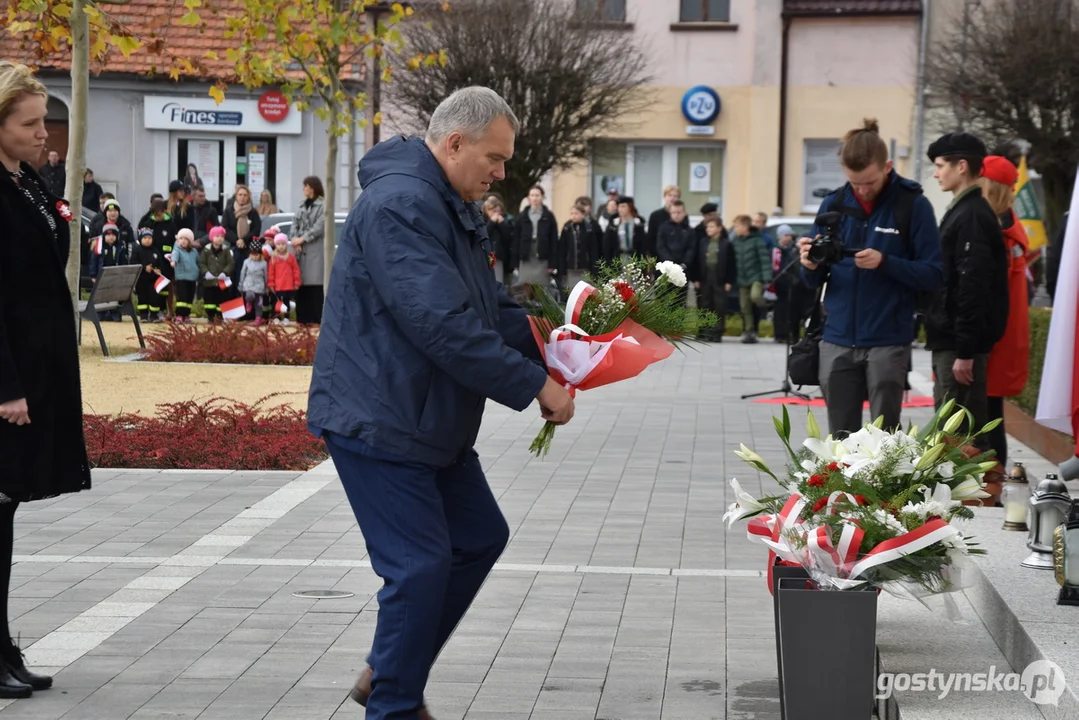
x=375, y=11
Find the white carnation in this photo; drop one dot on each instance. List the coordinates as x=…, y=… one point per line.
x=673, y=272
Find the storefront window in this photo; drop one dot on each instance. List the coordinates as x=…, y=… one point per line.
x=823, y=172
x=700, y=176
x=647, y=178
x=608, y=170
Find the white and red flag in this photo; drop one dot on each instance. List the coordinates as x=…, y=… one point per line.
x=1058, y=398
x=281, y=308
x=99, y=245
x=233, y=309
x=224, y=283
x=161, y=283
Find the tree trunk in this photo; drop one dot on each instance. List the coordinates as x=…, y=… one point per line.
x=1057, y=185
x=333, y=105
x=76, y=154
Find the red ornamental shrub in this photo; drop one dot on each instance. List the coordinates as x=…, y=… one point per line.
x=215, y=434
x=234, y=343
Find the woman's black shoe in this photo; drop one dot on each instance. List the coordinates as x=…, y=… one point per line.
x=15, y=667
x=11, y=686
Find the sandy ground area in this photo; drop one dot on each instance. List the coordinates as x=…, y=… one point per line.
x=112, y=387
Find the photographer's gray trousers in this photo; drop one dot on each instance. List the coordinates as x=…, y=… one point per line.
x=850, y=376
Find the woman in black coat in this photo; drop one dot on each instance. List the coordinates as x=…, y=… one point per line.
x=42, y=448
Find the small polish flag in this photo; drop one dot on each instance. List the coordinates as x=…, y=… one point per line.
x=168, y=256
x=99, y=245
x=233, y=309
x=226, y=283
x=281, y=308
x=161, y=283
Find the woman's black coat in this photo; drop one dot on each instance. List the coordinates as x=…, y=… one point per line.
x=39, y=358
x=546, y=235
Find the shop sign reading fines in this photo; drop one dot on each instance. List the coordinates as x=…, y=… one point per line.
x=218, y=118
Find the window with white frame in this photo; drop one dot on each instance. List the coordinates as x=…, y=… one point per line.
x=822, y=172
x=705, y=11
x=603, y=10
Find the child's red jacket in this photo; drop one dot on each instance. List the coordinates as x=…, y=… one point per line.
x=283, y=275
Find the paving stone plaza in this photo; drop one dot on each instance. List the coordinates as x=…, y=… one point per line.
x=621, y=596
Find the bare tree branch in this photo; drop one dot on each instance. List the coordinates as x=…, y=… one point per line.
x=568, y=80
x=1012, y=72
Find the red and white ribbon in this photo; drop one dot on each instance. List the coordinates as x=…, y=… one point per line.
x=575, y=304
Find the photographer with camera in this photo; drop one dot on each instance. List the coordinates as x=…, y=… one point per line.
x=875, y=244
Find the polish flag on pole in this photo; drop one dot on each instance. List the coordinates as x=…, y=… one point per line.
x=99, y=245
x=161, y=283
x=1058, y=398
x=224, y=283
x=233, y=309
x=281, y=308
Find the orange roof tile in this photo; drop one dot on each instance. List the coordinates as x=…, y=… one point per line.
x=145, y=20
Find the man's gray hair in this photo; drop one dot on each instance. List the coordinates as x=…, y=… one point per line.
x=469, y=111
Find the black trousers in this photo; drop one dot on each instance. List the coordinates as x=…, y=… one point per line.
x=997, y=439
x=7, y=542
x=185, y=297
x=789, y=312
x=212, y=297
x=309, y=299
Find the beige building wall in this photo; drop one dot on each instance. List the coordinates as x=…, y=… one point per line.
x=839, y=71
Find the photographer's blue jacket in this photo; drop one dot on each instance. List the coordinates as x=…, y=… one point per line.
x=874, y=308
x=416, y=333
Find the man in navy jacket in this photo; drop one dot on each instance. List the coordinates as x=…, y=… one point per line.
x=416, y=335
x=871, y=297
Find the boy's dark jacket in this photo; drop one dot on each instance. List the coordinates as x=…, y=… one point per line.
x=969, y=314
x=875, y=308
x=112, y=255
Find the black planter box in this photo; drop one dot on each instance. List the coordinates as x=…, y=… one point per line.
x=826, y=642
x=795, y=572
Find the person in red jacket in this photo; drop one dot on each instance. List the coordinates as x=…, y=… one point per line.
x=1009, y=361
x=282, y=278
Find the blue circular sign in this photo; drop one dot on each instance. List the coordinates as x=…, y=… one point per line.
x=700, y=105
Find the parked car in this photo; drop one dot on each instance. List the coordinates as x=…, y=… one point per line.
x=283, y=221
x=800, y=224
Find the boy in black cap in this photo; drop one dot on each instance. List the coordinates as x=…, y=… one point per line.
x=967, y=318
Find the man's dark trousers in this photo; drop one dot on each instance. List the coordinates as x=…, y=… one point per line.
x=433, y=535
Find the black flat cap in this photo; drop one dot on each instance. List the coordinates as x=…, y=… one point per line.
x=625, y=198
x=957, y=143
x=709, y=208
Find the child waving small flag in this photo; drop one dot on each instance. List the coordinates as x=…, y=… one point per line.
x=233, y=309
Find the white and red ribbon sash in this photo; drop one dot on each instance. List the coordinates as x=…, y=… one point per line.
x=575, y=304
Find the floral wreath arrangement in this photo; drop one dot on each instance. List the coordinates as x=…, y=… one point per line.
x=630, y=315
x=873, y=509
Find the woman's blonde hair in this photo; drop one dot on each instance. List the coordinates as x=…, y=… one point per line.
x=999, y=196
x=16, y=81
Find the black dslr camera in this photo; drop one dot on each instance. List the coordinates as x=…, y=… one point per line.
x=827, y=248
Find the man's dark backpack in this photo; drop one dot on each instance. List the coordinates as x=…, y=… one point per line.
x=804, y=361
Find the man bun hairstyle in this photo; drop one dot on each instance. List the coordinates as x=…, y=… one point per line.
x=863, y=147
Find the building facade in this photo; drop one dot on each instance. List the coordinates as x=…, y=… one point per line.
x=751, y=98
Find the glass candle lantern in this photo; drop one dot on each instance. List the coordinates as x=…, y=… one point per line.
x=1066, y=557
x=1049, y=506
x=1016, y=499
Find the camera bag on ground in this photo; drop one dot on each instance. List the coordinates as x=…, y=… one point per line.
x=804, y=360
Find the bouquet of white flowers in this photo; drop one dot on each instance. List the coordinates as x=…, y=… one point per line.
x=875, y=507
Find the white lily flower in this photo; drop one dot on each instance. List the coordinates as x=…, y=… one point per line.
x=940, y=502
x=812, y=429
x=955, y=421
x=969, y=489
x=828, y=450
x=744, y=506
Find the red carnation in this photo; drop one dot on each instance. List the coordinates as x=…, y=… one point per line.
x=833, y=466
x=815, y=480
x=491, y=260
x=819, y=505
x=625, y=290
x=64, y=209
x=860, y=499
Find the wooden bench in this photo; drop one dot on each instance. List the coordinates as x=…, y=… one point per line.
x=112, y=291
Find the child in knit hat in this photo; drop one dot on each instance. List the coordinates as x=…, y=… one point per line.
x=215, y=265
x=283, y=278
x=152, y=261
x=253, y=282
x=185, y=263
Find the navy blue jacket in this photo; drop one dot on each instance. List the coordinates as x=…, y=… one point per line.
x=416, y=333
x=875, y=308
